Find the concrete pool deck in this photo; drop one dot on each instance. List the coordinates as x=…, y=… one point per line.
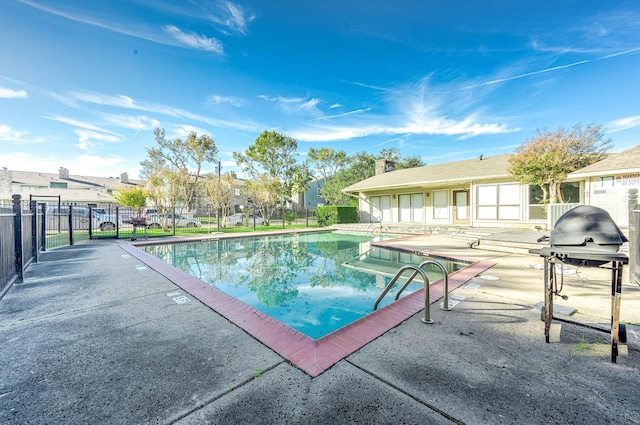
x=95, y=336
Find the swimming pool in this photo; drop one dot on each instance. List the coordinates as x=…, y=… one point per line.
x=352, y=252
x=315, y=283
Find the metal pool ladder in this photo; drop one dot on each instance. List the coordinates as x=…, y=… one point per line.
x=418, y=270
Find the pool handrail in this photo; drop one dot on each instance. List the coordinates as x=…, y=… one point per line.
x=445, y=304
x=425, y=278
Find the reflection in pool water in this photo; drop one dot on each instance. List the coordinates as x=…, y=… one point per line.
x=313, y=282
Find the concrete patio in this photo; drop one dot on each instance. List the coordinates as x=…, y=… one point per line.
x=95, y=336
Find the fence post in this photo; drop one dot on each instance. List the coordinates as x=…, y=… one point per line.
x=43, y=228
x=90, y=223
x=17, y=236
x=33, y=206
x=70, y=224
x=634, y=237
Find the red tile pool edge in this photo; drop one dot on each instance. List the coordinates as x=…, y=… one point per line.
x=312, y=356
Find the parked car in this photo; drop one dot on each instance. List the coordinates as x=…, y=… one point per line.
x=57, y=219
x=155, y=221
x=238, y=219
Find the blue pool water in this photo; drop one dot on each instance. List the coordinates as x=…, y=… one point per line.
x=315, y=283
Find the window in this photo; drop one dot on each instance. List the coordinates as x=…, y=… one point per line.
x=54, y=185
x=319, y=193
x=537, y=209
x=411, y=208
x=380, y=208
x=440, y=204
x=498, y=202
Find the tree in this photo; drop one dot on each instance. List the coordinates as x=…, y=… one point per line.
x=173, y=168
x=359, y=167
x=265, y=193
x=326, y=163
x=135, y=197
x=271, y=161
x=221, y=193
x=547, y=158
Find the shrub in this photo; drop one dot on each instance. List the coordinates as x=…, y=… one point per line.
x=290, y=217
x=334, y=214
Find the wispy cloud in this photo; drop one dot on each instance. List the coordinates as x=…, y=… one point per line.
x=6, y=93
x=409, y=110
x=141, y=122
x=345, y=114
x=195, y=41
x=7, y=134
x=552, y=69
x=183, y=131
x=231, y=17
x=217, y=100
x=623, y=124
x=89, y=139
x=167, y=35
x=294, y=105
x=126, y=102
x=79, y=124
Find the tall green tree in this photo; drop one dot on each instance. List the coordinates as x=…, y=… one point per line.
x=361, y=166
x=547, y=158
x=271, y=159
x=326, y=162
x=173, y=168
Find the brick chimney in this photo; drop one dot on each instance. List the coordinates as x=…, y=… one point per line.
x=6, y=176
x=124, y=178
x=384, y=166
x=63, y=173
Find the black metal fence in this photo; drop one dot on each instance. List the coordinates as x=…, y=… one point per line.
x=21, y=239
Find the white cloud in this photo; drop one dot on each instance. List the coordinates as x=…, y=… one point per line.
x=168, y=35
x=182, y=131
x=411, y=109
x=623, y=124
x=294, y=105
x=231, y=16
x=127, y=102
x=80, y=124
x=128, y=121
x=7, y=134
x=216, y=100
x=195, y=41
x=6, y=93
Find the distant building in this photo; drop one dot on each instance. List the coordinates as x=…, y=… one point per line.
x=70, y=187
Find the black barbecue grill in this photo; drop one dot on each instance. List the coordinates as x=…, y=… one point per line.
x=585, y=236
x=138, y=222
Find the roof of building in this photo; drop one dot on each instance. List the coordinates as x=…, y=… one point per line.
x=481, y=168
x=66, y=195
x=619, y=163
x=74, y=181
x=71, y=188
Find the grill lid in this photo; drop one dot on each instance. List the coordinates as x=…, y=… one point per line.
x=587, y=226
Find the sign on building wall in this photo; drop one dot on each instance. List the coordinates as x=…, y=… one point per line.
x=611, y=193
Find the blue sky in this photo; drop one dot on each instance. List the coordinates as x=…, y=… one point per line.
x=83, y=84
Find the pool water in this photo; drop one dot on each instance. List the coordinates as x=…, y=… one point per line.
x=315, y=283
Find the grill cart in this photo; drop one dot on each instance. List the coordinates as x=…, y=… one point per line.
x=585, y=236
x=139, y=222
